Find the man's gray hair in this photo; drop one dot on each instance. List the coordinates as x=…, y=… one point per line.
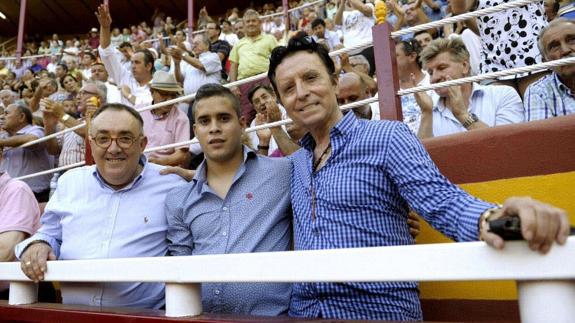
x=12, y=93
x=102, y=89
x=554, y=23
x=251, y=13
x=204, y=38
x=360, y=59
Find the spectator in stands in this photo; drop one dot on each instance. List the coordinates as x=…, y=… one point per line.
x=46, y=88
x=61, y=70
x=218, y=46
x=357, y=19
x=70, y=147
x=424, y=38
x=466, y=107
x=261, y=96
x=324, y=36
x=508, y=38
x=19, y=215
x=239, y=29
x=24, y=161
x=411, y=75
x=250, y=57
x=553, y=95
x=351, y=88
x=127, y=51
x=393, y=171
x=166, y=125
x=56, y=45
x=130, y=194
x=7, y=97
x=99, y=73
x=87, y=60
x=250, y=189
x=142, y=68
x=94, y=39
x=116, y=39
x=69, y=84
x=227, y=33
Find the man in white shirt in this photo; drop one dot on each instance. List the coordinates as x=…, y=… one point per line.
x=466, y=107
x=356, y=21
x=227, y=33
x=142, y=67
x=99, y=73
x=200, y=68
x=323, y=35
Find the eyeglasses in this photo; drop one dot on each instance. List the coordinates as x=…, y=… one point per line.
x=105, y=141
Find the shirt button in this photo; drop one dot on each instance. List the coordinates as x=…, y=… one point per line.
x=225, y=208
x=217, y=292
x=224, y=233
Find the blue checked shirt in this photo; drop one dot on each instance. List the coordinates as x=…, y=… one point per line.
x=253, y=217
x=376, y=171
x=548, y=97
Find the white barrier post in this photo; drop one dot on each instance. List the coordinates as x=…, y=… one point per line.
x=546, y=301
x=183, y=299
x=22, y=293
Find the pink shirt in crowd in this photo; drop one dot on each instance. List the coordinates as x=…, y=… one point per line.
x=19, y=210
x=174, y=128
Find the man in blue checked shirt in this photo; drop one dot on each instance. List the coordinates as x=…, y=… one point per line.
x=554, y=94
x=353, y=183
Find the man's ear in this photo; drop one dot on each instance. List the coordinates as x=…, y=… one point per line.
x=143, y=143
x=243, y=122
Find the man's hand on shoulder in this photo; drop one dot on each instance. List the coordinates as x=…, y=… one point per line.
x=187, y=174
x=34, y=258
x=541, y=224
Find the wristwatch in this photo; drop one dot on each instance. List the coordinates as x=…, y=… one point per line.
x=65, y=117
x=471, y=119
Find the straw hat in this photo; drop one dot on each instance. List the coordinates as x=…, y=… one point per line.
x=164, y=81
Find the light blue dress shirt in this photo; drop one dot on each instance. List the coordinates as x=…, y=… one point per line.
x=253, y=217
x=87, y=219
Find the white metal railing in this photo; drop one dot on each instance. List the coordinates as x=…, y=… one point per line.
x=546, y=283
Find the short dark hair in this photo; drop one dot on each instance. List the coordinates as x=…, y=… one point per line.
x=65, y=76
x=64, y=67
x=296, y=44
x=411, y=46
x=92, y=56
x=425, y=31
x=148, y=58
x=125, y=44
x=120, y=107
x=256, y=87
x=316, y=22
x=210, y=90
x=24, y=109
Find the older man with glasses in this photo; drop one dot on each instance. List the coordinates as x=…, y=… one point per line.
x=126, y=221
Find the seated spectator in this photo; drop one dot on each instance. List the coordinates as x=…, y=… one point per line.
x=166, y=125
x=99, y=73
x=130, y=194
x=261, y=96
x=357, y=21
x=554, y=94
x=227, y=33
x=324, y=36
x=352, y=88
x=46, y=88
x=466, y=107
x=19, y=216
x=137, y=78
x=199, y=68
x=423, y=37
x=7, y=97
x=24, y=161
x=411, y=75
x=250, y=57
x=88, y=58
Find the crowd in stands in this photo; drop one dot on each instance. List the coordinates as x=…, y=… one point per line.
x=159, y=60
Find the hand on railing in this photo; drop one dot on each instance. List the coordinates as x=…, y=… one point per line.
x=541, y=223
x=33, y=260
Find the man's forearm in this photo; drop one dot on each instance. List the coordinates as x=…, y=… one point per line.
x=233, y=72
x=17, y=140
x=284, y=142
x=337, y=19
x=361, y=7
x=8, y=240
x=425, y=126
x=195, y=62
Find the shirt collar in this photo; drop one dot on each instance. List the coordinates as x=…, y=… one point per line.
x=201, y=175
x=143, y=161
x=560, y=84
x=24, y=130
x=344, y=127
